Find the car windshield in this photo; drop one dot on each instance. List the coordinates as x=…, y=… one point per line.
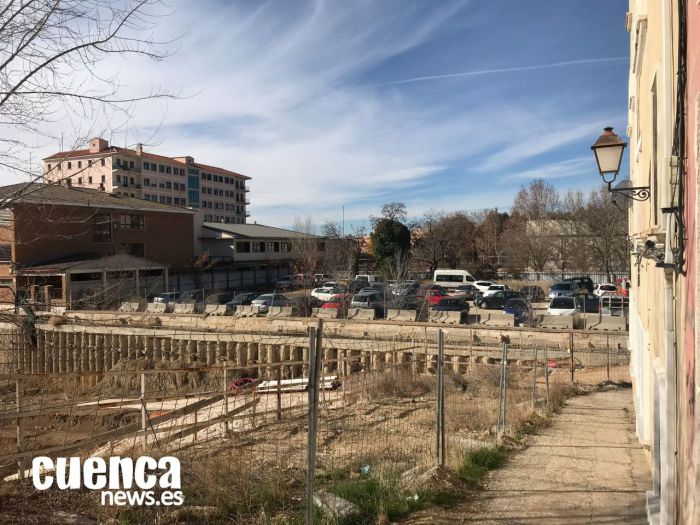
x=449, y=302
x=563, y=303
x=562, y=286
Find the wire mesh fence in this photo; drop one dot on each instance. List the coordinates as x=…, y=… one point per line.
x=269, y=427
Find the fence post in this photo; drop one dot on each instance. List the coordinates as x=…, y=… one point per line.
x=225, y=374
x=534, y=377
x=571, y=351
x=315, y=342
x=279, y=391
x=607, y=353
x=19, y=390
x=440, y=413
x=144, y=416
x=504, y=389
x=546, y=375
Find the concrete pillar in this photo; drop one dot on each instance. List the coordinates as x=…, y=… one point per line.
x=202, y=353
x=305, y=358
x=241, y=354
x=99, y=353
x=62, y=343
x=191, y=352
x=298, y=357
x=39, y=353
x=212, y=351
x=182, y=351
x=252, y=357
x=48, y=292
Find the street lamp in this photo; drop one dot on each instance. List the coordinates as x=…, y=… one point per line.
x=608, y=150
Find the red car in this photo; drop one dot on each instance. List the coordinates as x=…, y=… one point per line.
x=339, y=301
x=432, y=297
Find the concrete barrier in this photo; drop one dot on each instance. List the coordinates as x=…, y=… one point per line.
x=445, y=317
x=395, y=314
x=130, y=307
x=559, y=322
x=605, y=323
x=184, y=308
x=325, y=313
x=246, y=311
x=215, y=309
x=156, y=308
x=282, y=311
x=361, y=314
x=496, y=318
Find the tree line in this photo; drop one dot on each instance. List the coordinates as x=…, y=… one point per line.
x=545, y=231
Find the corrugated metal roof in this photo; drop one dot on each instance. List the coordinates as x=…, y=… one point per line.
x=255, y=231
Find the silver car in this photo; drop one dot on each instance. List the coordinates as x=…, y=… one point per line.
x=562, y=290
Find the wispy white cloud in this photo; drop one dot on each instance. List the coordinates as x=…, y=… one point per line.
x=557, y=170
x=514, y=69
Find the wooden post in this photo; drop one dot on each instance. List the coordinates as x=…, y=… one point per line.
x=571, y=351
x=311, y=437
x=144, y=415
x=607, y=353
x=225, y=375
x=546, y=375
x=534, y=378
x=279, y=391
x=19, y=390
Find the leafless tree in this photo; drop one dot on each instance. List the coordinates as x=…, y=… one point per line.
x=50, y=52
x=393, y=211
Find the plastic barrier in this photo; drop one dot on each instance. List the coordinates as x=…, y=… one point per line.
x=559, y=322
x=215, y=309
x=156, y=308
x=393, y=314
x=184, y=308
x=281, y=311
x=361, y=314
x=496, y=318
x=325, y=313
x=606, y=323
x=130, y=307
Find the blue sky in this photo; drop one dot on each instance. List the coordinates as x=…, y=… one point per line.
x=326, y=104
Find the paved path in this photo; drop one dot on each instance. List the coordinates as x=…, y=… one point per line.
x=587, y=467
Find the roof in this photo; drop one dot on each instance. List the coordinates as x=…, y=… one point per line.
x=62, y=155
x=87, y=263
x=56, y=194
x=255, y=231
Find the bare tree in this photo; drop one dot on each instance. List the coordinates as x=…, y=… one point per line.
x=393, y=211
x=50, y=51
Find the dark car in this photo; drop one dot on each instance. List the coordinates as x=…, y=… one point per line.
x=453, y=304
x=242, y=299
x=405, y=302
x=521, y=310
x=583, y=283
x=534, y=293
x=219, y=298
x=587, y=303
x=467, y=291
x=497, y=300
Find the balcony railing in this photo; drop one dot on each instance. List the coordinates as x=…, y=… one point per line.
x=247, y=202
x=247, y=214
x=246, y=188
x=122, y=167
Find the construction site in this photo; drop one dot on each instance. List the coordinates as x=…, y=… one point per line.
x=273, y=416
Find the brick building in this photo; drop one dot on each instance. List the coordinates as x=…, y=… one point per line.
x=219, y=195
x=60, y=236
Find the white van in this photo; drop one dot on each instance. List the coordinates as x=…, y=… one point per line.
x=452, y=278
x=371, y=278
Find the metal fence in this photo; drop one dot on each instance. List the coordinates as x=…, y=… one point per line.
x=273, y=428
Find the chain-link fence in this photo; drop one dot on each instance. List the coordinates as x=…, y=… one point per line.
x=270, y=428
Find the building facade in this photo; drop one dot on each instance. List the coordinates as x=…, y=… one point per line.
x=48, y=232
x=664, y=151
x=219, y=195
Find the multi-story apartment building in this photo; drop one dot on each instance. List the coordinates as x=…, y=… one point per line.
x=219, y=195
x=664, y=137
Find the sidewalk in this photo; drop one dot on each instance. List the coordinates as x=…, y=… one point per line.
x=586, y=468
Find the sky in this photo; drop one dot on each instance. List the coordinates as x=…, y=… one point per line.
x=449, y=105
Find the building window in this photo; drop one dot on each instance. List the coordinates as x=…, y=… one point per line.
x=131, y=222
x=285, y=247
x=80, y=164
x=90, y=180
x=146, y=182
x=80, y=180
x=70, y=166
x=243, y=247
x=273, y=247
x=102, y=161
x=101, y=228
x=5, y=253
x=161, y=168
x=169, y=200
x=168, y=169
x=103, y=178
x=119, y=178
x=131, y=164
x=258, y=246
x=169, y=185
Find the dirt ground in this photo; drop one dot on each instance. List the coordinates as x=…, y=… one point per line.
x=586, y=468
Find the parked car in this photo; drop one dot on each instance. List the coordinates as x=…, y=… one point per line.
x=453, y=304
x=563, y=289
x=430, y=297
x=340, y=301
x=534, y=293
x=219, y=298
x=482, y=286
x=497, y=300
x=264, y=301
x=284, y=283
x=372, y=299
x=434, y=287
x=191, y=296
x=405, y=302
x=494, y=288
x=405, y=289
x=324, y=294
x=582, y=283
x=467, y=291
x=167, y=297
x=320, y=277
x=562, y=306
x=242, y=299
x=305, y=305
x=521, y=310
x=587, y=302
x=605, y=288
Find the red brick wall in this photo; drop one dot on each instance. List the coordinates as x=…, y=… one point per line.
x=44, y=232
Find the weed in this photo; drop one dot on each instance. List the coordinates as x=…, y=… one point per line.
x=478, y=462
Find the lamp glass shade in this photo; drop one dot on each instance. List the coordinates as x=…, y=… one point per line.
x=609, y=158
